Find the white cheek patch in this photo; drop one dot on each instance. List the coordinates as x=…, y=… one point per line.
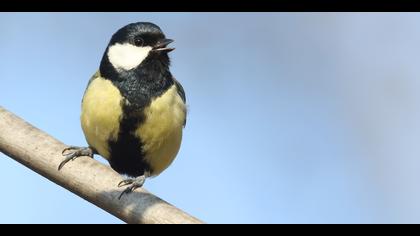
x=127, y=56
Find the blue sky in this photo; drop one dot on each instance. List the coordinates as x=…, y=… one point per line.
x=293, y=117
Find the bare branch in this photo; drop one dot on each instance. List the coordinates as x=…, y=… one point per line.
x=86, y=177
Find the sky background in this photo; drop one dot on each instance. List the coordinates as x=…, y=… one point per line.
x=293, y=117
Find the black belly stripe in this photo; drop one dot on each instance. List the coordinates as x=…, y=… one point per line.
x=126, y=152
x=139, y=86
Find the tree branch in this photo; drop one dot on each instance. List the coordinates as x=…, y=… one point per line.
x=86, y=177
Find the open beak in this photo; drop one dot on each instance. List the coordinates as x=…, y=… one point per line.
x=161, y=46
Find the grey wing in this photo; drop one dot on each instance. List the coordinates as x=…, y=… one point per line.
x=180, y=90
x=181, y=93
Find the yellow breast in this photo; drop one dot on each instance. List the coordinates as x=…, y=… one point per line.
x=101, y=114
x=161, y=132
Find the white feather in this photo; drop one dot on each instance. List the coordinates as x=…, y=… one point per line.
x=127, y=56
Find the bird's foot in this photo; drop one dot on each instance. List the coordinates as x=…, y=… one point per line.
x=74, y=152
x=134, y=184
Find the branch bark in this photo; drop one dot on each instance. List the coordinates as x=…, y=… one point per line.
x=85, y=177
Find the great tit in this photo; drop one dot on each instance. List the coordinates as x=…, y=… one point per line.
x=133, y=109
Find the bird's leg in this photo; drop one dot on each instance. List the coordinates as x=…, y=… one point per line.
x=75, y=152
x=134, y=184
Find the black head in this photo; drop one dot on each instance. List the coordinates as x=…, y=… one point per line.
x=136, y=44
x=140, y=34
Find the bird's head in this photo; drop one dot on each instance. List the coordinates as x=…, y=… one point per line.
x=136, y=43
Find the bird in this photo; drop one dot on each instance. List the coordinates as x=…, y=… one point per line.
x=133, y=110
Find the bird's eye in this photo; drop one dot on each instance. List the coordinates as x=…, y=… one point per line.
x=138, y=41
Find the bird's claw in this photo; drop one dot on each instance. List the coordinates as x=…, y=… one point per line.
x=135, y=183
x=68, y=158
x=125, y=182
x=82, y=151
x=77, y=152
x=69, y=148
x=128, y=190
